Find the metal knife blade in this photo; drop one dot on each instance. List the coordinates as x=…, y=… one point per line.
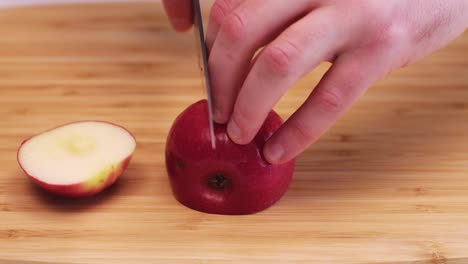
x=203, y=63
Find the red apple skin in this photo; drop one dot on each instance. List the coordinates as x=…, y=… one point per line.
x=253, y=184
x=83, y=189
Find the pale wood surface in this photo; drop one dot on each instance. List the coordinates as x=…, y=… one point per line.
x=388, y=184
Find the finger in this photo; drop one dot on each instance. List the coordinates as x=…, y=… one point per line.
x=180, y=13
x=241, y=34
x=219, y=11
x=342, y=85
x=298, y=50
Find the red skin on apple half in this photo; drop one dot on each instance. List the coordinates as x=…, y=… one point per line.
x=231, y=179
x=94, y=184
x=91, y=187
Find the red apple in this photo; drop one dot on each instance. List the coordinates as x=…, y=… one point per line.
x=77, y=159
x=231, y=179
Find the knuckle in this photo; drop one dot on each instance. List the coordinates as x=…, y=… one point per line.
x=234, y=27
x=390, y=35
x=329, y=101
x=219, y=11
x=281, y=57
x=387, y=31
x=300, y=131
x=382, y=28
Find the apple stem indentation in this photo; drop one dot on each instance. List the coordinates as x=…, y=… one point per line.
x=179, y=164
x=218, y=181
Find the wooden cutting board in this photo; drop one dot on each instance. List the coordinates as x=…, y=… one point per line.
x=388, y=184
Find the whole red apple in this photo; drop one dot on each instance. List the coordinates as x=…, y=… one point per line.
x=231, y=179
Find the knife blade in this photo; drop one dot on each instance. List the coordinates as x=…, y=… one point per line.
x=203, y=63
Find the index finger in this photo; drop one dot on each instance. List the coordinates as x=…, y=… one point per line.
x=347, y=80
x=180, y=13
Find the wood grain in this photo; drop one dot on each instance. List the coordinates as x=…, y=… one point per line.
x=388, y=184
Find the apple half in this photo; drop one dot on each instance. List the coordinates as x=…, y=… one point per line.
x=77, y=159
x=229, y=180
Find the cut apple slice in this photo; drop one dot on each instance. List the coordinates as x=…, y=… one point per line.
x=77, y=159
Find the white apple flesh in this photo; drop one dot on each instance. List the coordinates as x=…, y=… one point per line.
x=77, y=159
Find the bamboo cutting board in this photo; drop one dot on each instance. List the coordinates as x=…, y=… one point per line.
x=388, y=184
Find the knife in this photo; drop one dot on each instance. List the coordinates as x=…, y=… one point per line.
x=203, y=63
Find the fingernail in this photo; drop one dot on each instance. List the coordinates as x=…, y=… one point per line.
x=274, y=153
x=234, y=131
x=217, y=116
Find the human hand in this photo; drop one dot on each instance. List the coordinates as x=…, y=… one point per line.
x=363, y=39
x=180, y=13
